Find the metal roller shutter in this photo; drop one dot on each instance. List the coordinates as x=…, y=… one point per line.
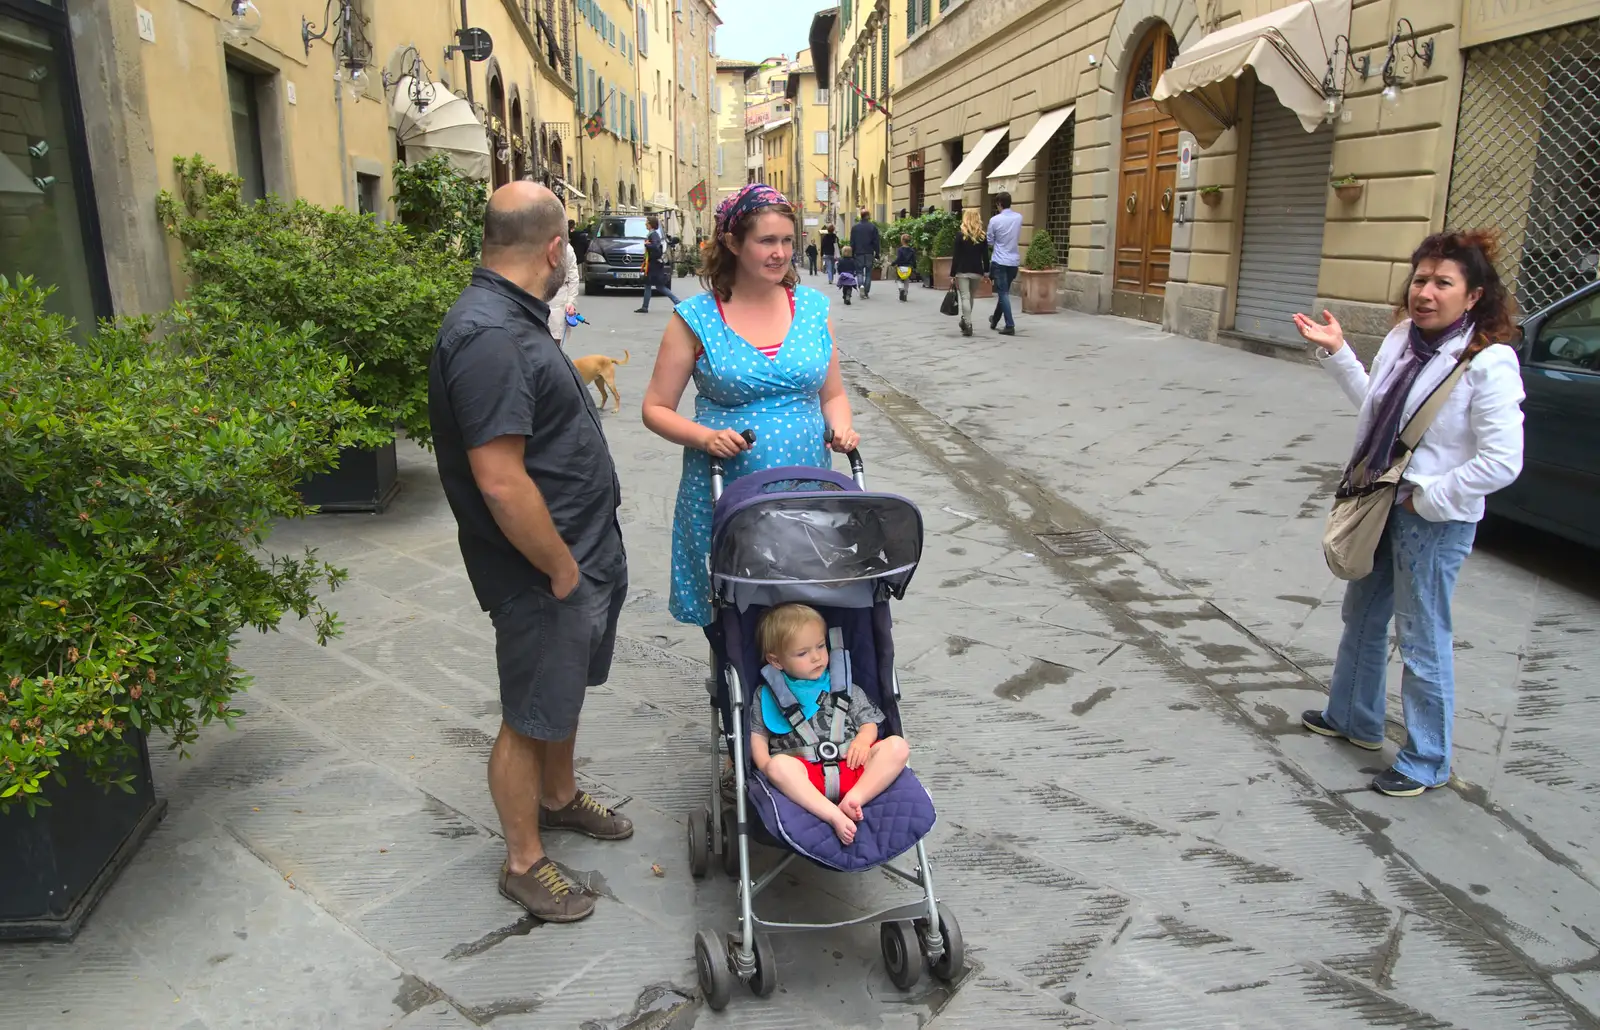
x=1286, y=196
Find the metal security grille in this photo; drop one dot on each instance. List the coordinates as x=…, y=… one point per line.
x=1527, y=158
x=1058, y=190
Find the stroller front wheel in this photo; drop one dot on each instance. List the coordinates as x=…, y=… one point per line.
x=766, y=979
x=711, y=969
x=902, y=955
x=949, y=965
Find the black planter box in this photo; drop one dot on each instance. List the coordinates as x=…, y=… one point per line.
x=364, y=480
x=61, y=860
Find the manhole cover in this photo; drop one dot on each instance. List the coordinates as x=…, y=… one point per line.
x=1081, y=543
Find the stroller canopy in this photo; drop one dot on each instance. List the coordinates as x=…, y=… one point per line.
x=804, y=525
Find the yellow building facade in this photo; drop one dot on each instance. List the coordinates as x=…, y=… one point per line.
x=867, y=76
x=319, y=110
x=1218, y=198
x=607, y=91
x=657, y=90
x=813, y=139
x=733, y=99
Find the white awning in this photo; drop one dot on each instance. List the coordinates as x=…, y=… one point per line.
x=1004, y=177
x=780, y=123
x=1288, y=49
x=969, y=165
x=14, y=179
x=442, y=123
x=572, y=191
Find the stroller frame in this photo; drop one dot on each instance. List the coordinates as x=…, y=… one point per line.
x=925, y=924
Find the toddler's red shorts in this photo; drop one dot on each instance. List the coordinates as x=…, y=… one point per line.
x=848, y=777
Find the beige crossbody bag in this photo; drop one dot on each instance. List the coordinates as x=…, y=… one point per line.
x=1355, y=525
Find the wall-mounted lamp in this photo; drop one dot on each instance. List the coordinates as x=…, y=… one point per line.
x=1407, y=50
x=1333, y=84
x=352, y=53
x=421, y=89
x=242, y=23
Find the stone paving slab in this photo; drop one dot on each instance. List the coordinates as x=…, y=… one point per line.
x=1131, y=830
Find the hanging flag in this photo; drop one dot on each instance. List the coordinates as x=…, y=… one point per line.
x=697, y=196
x=595, y=125
x=872, y=105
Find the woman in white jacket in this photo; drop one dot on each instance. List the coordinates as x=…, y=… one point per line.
x=1458, y=311
x=565, y=302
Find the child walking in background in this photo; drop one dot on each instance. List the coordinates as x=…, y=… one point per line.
x=848, y=272
x=905, y=262
x=794, y=640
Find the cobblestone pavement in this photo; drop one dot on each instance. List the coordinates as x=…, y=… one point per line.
x=1132, y=831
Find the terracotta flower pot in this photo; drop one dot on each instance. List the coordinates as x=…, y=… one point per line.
x=984, y=290
x=1349, y=192
x=1211, y=198
x=941, y=273
x=1039, y=290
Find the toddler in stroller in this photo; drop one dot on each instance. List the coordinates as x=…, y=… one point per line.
x=811, y=541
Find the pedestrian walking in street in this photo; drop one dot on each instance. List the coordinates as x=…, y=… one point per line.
x=530, y=479
x=1005, y=236
x=811, y=259
x=849, y=273
x=968, y=263
x=657, y=272
x=760, y=349
x=830, y=252
x=1458, y=312
x=905, y=262
x=867, y=244
x=565, y=301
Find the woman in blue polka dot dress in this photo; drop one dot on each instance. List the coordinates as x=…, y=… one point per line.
x=760, y=350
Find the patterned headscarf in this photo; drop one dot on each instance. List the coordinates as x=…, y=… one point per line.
x=749, y=198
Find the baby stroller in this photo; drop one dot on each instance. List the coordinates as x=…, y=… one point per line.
x=814, y=536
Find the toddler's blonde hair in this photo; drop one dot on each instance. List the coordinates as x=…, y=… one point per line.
x=780, y=625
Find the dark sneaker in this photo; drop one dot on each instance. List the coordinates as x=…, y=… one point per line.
x=1314, y=721
x=583, y=814
x=966, y=328
x=1009, y=330
x=1399, y=785
x=545, y=893
x=994, y=320
x=641, y=311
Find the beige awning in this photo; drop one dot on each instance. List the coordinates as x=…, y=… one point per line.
x=1287, y=49
x=952, y=186
x=1004, y=177
x=14, y=179
x=441, y=123
x=572, y=191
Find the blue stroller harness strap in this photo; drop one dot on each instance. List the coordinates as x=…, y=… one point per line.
x=824, y=752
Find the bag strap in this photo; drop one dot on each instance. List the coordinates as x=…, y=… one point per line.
x=1413, y=432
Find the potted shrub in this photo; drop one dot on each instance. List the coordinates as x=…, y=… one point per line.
x=1040, y=276
x=1348, y=188
x=944, y=246
x=376, y=292
x=141, y=475
x=1211, y=195
x=442, y=206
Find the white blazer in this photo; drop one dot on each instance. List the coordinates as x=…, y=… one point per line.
x=568, y=294
x=1474, y=446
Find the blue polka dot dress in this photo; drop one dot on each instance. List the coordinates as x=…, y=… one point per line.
x=740, y=388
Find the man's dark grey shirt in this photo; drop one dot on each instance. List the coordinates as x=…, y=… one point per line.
x=496, y=371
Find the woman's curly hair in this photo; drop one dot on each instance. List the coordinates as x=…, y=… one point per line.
x=1475, y=250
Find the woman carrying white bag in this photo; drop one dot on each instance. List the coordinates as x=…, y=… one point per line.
x=1458, y=312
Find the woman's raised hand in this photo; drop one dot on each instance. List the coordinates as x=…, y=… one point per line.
x=723, y=443
x=1329, y=337
x=845, y=440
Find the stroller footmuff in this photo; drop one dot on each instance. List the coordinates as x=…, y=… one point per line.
x=816, y=537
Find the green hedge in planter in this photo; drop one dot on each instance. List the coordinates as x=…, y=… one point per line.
x=441, y=205
x=138, y=475
x=374, y=290
x=944, y=240
x=1041, y=255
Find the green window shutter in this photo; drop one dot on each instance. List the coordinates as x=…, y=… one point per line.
x=885, y=51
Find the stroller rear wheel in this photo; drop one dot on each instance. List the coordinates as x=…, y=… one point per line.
x=955, y=949
x=699, y=842
x=902, y=957
x=711, y=968
x=766, y=979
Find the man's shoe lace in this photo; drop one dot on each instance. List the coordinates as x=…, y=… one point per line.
x=586, y=800
x=552, y=880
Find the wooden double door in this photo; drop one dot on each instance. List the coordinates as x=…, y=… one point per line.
x=1147, y=185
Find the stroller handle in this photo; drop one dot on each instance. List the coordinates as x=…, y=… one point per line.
x=858, y=468
x=717, y=471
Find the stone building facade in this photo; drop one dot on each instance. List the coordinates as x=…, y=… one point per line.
x=1469, y=113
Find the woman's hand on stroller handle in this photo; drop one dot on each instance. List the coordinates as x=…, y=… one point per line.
x=844, y=441
x=727, y=443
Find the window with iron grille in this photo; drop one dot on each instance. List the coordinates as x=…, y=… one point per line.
x=1058, y=190
x=1527, y=159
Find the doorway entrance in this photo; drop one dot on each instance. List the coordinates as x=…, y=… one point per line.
x=1147, y=184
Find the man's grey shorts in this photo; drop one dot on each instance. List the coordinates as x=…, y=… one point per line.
x=550, y=652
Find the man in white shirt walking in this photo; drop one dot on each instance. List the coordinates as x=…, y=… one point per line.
x=1005, y=235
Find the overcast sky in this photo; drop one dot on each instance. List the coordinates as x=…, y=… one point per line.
x=756, y=29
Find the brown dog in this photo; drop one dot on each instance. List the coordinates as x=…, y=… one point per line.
x=602, y=372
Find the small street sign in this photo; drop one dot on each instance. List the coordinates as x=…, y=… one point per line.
x=475, y=43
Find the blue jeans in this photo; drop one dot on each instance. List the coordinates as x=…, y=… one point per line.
x=663, y=290
x=828, y=263
x=1003, y=276
x=1413, y=575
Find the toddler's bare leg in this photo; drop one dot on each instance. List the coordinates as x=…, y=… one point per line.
x=884, y=763
x=788, y=774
